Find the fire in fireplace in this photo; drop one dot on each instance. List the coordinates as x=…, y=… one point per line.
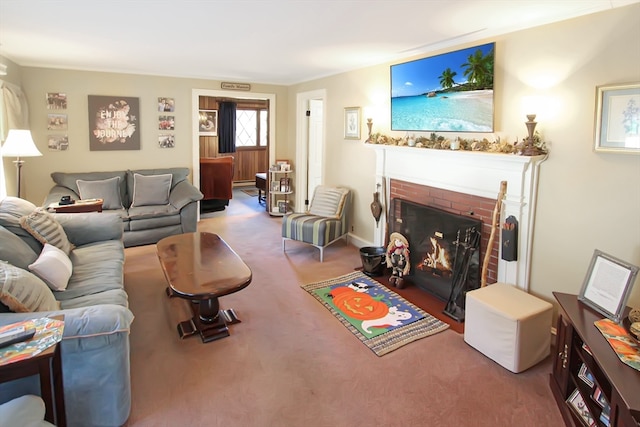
x=444, y=250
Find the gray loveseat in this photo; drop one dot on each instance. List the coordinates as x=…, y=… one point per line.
x=95, y=343
x=153, y=203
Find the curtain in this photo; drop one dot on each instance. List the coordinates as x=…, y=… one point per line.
x=227, y=127
x=14, y=114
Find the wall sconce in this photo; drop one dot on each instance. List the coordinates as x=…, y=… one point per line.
x=19, y=143
x=369, y=126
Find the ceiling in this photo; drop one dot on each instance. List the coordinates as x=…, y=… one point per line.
x=258, y=41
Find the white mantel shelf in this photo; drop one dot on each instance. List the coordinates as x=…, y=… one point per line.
x=470, y=172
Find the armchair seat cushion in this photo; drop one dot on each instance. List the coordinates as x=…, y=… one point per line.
x=313, y=229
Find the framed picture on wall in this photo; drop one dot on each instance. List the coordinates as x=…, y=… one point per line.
x=58, y=142
x=56, y=101
x=114, y=123
x=166, y=105
x=208, y=122
x=166, y=140
x=618, y=118
x=56, y=122
x=352, y=123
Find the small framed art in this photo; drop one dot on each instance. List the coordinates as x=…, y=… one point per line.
x=352, y=123
x=208, y=122
x=608, y=284
x=56, y=101
x=58, y=142
x=618, y=118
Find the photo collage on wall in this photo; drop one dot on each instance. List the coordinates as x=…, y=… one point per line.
x=57, y=122
x=166, y=123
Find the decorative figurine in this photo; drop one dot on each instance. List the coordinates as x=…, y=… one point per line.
x=398, y=259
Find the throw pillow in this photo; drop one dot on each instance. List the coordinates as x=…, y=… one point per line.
x=24, y=292
x=327, y=201
x=106, y=189
x=44, y=227
x=12, y=209
x=151, y=189
x=54, y=267
x=14, y=250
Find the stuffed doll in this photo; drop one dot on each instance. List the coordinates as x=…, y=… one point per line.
x=397, y=257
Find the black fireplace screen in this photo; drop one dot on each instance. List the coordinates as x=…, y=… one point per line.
x=444, y=250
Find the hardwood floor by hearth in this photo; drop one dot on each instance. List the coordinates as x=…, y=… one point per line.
x=290, y=363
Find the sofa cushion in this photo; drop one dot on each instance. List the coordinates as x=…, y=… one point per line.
x=105, y=189
x=178, y=175
x=23, y=292
x=150, y=190
x=11, y=210
x=44, y=227
x=97, y=267
x=68, y=179
x=14, y=250
x=14, y=208
x=53, y=266
x=111, y=296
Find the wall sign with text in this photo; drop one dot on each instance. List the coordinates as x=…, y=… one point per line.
x=114, y=123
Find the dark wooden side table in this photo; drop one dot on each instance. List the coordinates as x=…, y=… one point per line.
x=80, y=206
x=48, y=365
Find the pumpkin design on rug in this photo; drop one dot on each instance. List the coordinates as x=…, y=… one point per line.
x=373, y=314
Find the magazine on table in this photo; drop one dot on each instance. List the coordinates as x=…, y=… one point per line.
x=48, y=332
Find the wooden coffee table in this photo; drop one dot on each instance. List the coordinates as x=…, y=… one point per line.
x=201, y=267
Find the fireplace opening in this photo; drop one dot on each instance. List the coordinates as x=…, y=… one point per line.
x=444, y=251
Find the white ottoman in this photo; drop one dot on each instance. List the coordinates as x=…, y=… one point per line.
x=508, y=325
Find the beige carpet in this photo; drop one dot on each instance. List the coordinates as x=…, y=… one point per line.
x=290, y=363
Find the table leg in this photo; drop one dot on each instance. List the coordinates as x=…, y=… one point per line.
x=45, y=389
x=58, y=388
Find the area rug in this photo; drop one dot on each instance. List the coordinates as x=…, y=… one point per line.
x=380, y=318
x=250, y=191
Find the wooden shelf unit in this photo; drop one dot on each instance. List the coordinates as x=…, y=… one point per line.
x=619, y=383
x=279, y=196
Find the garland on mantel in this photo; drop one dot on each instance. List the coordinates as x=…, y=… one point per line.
x=439, y=142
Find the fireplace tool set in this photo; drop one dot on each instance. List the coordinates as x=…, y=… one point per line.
x=462, y=261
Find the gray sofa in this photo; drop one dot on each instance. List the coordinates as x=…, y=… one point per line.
x=148, y=214
x=97, y=320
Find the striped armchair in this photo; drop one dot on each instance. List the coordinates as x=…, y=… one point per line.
x=325, y=222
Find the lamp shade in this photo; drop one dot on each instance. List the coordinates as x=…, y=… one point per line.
x=20, y=144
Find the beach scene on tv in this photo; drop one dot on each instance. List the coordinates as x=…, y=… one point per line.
x=452, y=92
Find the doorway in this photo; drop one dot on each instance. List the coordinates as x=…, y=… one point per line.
x=195, y=97
x=310, y=144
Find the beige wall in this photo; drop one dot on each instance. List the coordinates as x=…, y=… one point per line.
x=587, y=200
x=36, y=82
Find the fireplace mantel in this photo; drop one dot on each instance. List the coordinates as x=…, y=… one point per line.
x=470, y=172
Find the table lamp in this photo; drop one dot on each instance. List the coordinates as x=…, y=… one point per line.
x=19, y=144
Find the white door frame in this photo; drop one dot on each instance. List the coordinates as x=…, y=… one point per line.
x=197, y=93
x=302, y=140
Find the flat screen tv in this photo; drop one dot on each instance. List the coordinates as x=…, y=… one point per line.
x=452, y=92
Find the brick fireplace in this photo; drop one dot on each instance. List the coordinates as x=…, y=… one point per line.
x=464, y=182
